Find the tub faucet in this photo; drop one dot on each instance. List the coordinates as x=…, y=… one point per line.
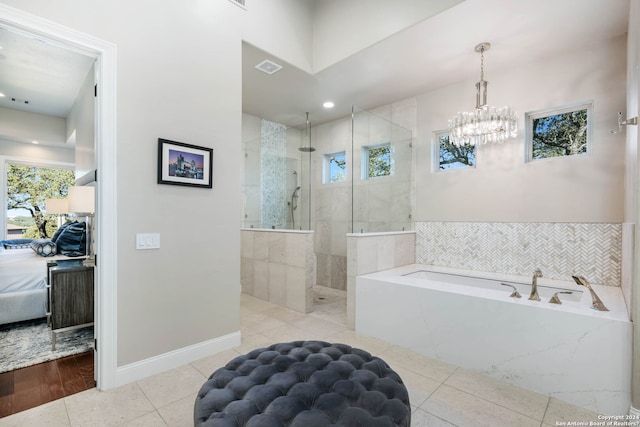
x=596, y=302
x=534, y=285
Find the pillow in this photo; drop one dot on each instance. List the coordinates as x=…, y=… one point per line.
x=17, y=243
x=44, y=247
x=71, y=241
x=61, y=229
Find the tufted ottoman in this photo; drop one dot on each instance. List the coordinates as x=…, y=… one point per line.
x=304, y=384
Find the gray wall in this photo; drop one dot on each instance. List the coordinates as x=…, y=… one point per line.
x=178, y=77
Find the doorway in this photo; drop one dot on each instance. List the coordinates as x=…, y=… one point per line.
x=106, y=204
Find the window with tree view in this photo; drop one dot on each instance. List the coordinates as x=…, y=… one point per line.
x=27, y=189
x=376, y=161
x=558, y=133
x=452, y=156
x=335, y=167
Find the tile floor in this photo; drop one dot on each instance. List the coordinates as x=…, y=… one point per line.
x=441, y=394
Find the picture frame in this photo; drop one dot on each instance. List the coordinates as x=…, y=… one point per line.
x=184, y=164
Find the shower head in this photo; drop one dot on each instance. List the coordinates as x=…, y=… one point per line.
x=307, y=149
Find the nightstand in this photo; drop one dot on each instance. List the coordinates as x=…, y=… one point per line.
x=70, y=291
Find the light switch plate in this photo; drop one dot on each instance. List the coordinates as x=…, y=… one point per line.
x=147, y=240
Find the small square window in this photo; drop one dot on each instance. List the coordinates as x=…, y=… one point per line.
x=335, y=167
x=558, y=132
x=451, y=156
x=377, y=161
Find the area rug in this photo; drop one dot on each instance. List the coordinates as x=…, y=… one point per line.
x=29, y=343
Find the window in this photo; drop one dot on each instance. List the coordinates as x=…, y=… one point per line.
x=376, y=161
x=558, y=132
x=451, y=156
x=335, y=167
x=28, y=186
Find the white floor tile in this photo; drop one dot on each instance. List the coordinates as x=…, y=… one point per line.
x=418, y=363
x=152, y=419
x=419, y=387
x=559, y=411
x=442, y=395
x=526, y=402
x=209, y=365
x=55, y=414
x=173, y=385
x=420, y=418
x=465, y=410
x=106, y=408
x=180, y=413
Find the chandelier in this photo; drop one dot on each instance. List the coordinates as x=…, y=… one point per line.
x=485, y=124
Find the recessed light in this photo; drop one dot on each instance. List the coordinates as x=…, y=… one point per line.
x=328, y=104
x=35, y=142
x=1, y=95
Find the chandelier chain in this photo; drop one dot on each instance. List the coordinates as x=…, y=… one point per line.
x=482, y=63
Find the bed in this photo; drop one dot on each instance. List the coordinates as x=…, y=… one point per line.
x=23, y=278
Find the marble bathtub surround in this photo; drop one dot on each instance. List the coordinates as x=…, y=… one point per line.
x=371, y=252
x=593, y=250
x=569, y=351
x=279, y=266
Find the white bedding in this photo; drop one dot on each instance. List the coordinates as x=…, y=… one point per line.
x=23, y=270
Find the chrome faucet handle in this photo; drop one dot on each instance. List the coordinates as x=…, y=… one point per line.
x=596, y=302
x=555, y=299
x=515, y=293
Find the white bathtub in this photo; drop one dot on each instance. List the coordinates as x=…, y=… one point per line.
x=568, y=351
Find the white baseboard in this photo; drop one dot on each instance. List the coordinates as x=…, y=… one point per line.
x=174, y=359
x=634, y=411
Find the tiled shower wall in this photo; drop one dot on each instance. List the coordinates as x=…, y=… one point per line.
x=593, y=250
x=279, y=266
x=273, y=167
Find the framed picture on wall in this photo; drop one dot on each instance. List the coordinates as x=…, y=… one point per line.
x=184, y=164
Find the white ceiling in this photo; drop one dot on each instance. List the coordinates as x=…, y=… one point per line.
x=431, y=54
x=47, y=76
x=434, y=53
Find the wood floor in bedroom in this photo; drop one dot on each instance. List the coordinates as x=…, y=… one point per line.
x=38, y=384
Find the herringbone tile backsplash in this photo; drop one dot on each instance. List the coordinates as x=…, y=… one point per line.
x=593, y=250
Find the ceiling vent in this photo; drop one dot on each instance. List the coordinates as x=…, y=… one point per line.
x=239, y=3
x=268, y=67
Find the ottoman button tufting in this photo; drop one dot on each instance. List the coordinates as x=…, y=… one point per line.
x=304, y=384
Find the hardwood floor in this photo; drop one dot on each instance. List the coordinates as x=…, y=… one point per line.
x=38, y=384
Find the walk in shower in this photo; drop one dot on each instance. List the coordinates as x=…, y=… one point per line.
x=352, y=175
x=276, y=184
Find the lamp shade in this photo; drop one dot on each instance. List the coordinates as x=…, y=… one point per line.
x=56, y=206
x=82, y=199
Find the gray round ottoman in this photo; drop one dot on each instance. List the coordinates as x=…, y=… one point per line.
x=304, y=384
